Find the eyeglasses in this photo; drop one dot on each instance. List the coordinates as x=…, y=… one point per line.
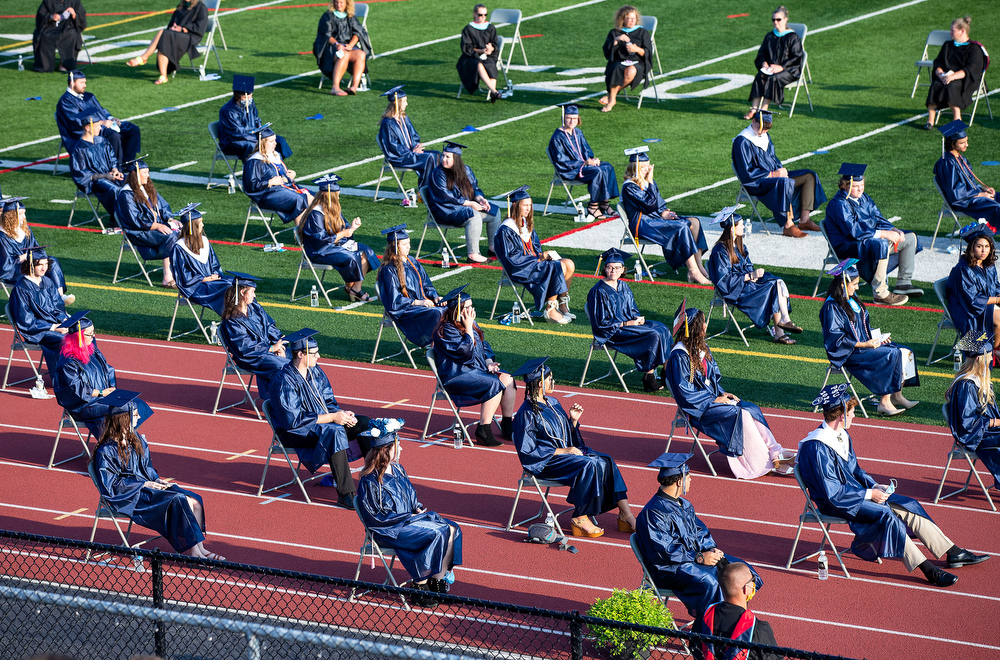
x=88, y=335
x=777, y=20
x=480, y=15
x=616, y=267
x=313, y=354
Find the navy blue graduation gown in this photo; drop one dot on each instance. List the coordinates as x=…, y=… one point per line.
x=136, y=220
x=961, y=188
x=10, y=260
x=758, y=300
x=569, y=154
x=287, y=200
x=879, y=369
x=249, y=339
x=189, y=271
x=643, y=208
x=322, y=247
x=73, y=112
x=720, y=421
x=388, y=508
x=838, y=489
x=669, y=536
x=166, y=512
x=417, y=323
x=968, y=290
x=851, y=225
x=523, y=264
x=35, y=308
x=296, y=403
x=461, y=363
x=778, y=193
x=236, y=123
x=970, y=424
x=608, y=309
x=446, y=204
x=595, y=483
x=74, y=383
x=88, y=159
x=786, y=51
x=397, y=140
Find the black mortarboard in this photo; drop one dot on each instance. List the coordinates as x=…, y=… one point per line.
x=671, y=464
x=570, y=109
x=395, y=93
x=328, y=183
x=119, y=402
x=80, y=320
x=533, y=369
x=728, y=217
x=975, y=230
x=975, y=342
x=614, y=256
x=454, y=295
x=243, y=279
x=518, y=195
x=832, y=396
x=136, y=164
x=263, y=131
x=75, y=74
x=13, y=203
x=395, y=234
x=383, y=431
x=954, y=129
x=243, y=84
x=453, y=148
x=301, y=340
x=188, y=213
x=852, y=171
x=765, y=117
x=637, y=154
x=682, y=317
x=36, y=252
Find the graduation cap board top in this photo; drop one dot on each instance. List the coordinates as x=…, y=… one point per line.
x=637, y=154
x=852, y=171
x=532, y=370
x=396, y=234
x=119, y=402
x=845, y=268
x=13, y=203
x=764, y=116
x=975, y=342
x=395, y=93
x=671, y=464
x=79, y=320
x=614, y=256
x=954, y=129
x=570, y=109
x=328, y=183
x=138, y=163
x=454, y=148
x=243, y=84
x=243, y=279
x=683, y=317
x=301, y=340
x=832, y=396
x=517, y=194
x=975, y=230
x=383, y=430
x=76, y=74
x=455, y=294
x=188, y=213
x=264, y=131
x=35, y=252
x=728, y=216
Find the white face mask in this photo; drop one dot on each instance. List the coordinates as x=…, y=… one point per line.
x=747, y=226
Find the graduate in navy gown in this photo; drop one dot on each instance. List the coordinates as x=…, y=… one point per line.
x=737, y=426
x=543, y=273
x=574, y=160
x=196, y=269
x=681, y=239
x=961, y=187
x=549, y=446
x=131, y=487
x=94, y=169
x=36, y=307
x=238, y=119
x=15, y=240
x=972, y=412
x=428, y=545
x=481, y=50
x=306, y=416
x=957, y=72
x=406, y=291
x=77, y=108
x=146, y=218
x=973, y=289
x=857, y=229
x=778, y=63
x=675, y=545
x=881, y=519
x=327, y=238
x=83, y=375
x=455, y=200
x=616, y=321
x=847, y=336
x=250, y=334
x=628, y=49
x=469, y=370
x=400, y=142
x=754, y=291
x=784, y=193
x=270, y=184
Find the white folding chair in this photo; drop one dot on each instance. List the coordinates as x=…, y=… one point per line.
x=806, y=77
x=545, y=509
x=397, y=173
x=730, y=315
x=255, y=212
x=681, y=420
x=935, y=39
x=567, y=185
x=958, y=451
x=277, y=448
x=441, y=393
x=648, y=23
x=387, y=322
x=499, y=17
x=981, y=93
x=139, y=259
x=811, y=514
x=305, y=262
x=612, y=355
x=638, y=244
x=230, y=369
x=831, y=258
x=198, y=318
x=93, y=209
x=830, y=369
x=19, y=344
x=744, y=196
x=505, y=280
x=371, y=548
x=508, y=85
x=360, y=13
x=941, y=291
x=67, y=422
x=213, y=131
x=208, y=42
x=946, y=208
x=442, y=231
x=104, y=511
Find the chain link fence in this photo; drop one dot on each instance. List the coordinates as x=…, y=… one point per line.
x=109, y=603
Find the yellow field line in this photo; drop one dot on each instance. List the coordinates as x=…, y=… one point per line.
x=94, y=27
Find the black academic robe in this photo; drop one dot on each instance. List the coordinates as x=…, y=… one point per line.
x=397, y=138
x=961, y=188
x=342, y=30
x=608, y=309
x=287, y=200
x=595, y=483
x=417, y=323
x=851, y=225
x=758, y=300
x=10, y=260
x=461, y=363
x=136, y=220
x=969, y=421
x=190, y=269
x=174, y=45
x=90, y=166
x=469, y=61
x=958, y=93
x=786, y=51
x=643, y=208
x=74, y=382
x=35, y=308
x=617, y=56
x=779, y=194
x=569, y=155
x=346, y=255
x=968, y=292
x=249, y=339
x=64, y=34
x=523, y=263
x=296, y=404
x=75, y=110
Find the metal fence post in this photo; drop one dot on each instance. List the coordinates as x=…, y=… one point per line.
x=576, y=636
x=160, y=634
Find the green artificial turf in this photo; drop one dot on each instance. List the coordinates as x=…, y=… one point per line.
x=862, y=77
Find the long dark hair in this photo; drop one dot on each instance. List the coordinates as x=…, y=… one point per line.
x=532, y=389
x=377, y=460
x=118, y=430
x=393, y=259
x=452, y=316
x=734, y=244
x=232, y=306
x=696, y=345
x=990, y=259
x=149, y=188
x=456, y=177
x=838, y=292
x=193, y=235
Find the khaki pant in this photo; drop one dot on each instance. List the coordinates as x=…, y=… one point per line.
x=806, y=185
x=933, y=538
x=904, y=274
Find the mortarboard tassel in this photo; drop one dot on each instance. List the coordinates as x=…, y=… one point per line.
x=686, y=333
x=79, y=329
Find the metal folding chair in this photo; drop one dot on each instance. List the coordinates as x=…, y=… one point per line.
x=567, y=185
x=744, y=196
x=935, y=38
x=941, y=291
x=981, y=93
x=254, y=212
x=505, y=280
x=663, y=594
x=139, y=259
x=19, y=344
x=277, y=448
x=397, y=173
x=729, y=315
x=213, y=132
x=510, y=17
x=830, y=369
x=441, y=393
x=958, y=451
x=104, y=511
x=946, y=208
x=230, y=369
x=198, y=318
x=531, y=481
x=806, y=77
x=360, y=13
x=509, y=86
x=649, y=24
x=93, y=209
x=831, y=258
x=67, y=421
x=811, y=514
x=370, y=548
x=387, y=322
x=442, y=231
x=305, y=262
x=681, y=420
x=638, y=244
x=612, y=356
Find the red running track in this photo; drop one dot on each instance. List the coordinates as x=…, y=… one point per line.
x=881, y=612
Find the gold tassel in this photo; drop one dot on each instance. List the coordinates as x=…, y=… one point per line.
x=79, y=329
x=686, y=333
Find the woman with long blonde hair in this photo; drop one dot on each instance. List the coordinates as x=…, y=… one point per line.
x=405, y=289
x=971, y=404
x=15, y=240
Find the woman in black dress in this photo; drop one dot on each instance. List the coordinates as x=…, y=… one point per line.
x=629, y=52
x=958, y=70
x=778, y=63
x=480, y=50
x=342, y=43
x=182, y=35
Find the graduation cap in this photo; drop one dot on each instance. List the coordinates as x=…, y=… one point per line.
x=532, y=370
x=243, y=279
x=136, y=164
x=383, y=431
x=263, y=131
x=975, y=342
x=81, y=321
x=852, y=172
x=570, y=109
x=954, y=129
x=763, y=116
x=728, y=216
x=13, y=203
x=846, y=269
x=455, y=295
x=394, y=95
x=975, y=230
x=637, y=154
x=682, y=317
x=243, y=84
x=832, y=396
x=328, y=183
x=453, y=148
x=301, y=340
x=188, y=213
x=35, y=253
x=516, y=195
x=396, y=234
x=76, y=74
x=672, y=464
x=119, y=402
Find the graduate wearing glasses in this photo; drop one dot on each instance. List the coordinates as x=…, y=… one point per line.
x=779, y=63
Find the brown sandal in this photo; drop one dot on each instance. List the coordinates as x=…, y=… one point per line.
x=790, y=327
x=783, y=339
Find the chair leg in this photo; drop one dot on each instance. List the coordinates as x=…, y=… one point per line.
x=545, y=211
x=934, y=345
x=586, y=365
x=496, y=300
x=378, y=340
x=513, y=509
x=795, y=544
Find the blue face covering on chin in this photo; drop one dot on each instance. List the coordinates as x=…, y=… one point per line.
x=627, y=30
x=340, y=14
x=780, y=34
x=480, y=26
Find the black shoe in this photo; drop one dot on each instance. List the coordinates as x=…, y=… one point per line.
x=491, y=255
x=346, y=501
x=507, y=428
x=650, y=383
x=965, y=558
x=424, y=599
x=485, y=437
x=940, y=578
x=437, y=586
x=494, y=97
x=928, y=126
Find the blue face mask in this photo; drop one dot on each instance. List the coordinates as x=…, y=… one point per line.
x=960, y=44
x=627, y=30
x=340, y=14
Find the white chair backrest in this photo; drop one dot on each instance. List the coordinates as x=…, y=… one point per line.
x=937, y=37
x=648, y=23
x=512, y=16
x=799, y=29
x=361, y=13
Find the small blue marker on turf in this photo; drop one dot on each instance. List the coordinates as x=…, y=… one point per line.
x=171, y=109
x=315, y=116
x=470, y=129
x=821, y=151
x=652, y=140
x=33, y=98
x=991, y=163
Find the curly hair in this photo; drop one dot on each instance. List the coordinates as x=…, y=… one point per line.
x=990, y=259
x=118, y=430
x=696, y=345
x=623, y=13
x=349, y=9
x=11, y=221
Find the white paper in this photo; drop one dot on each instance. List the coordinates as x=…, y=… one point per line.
x=909, y=364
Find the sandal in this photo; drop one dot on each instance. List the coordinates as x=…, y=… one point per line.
x=750, y=115
x=783, y=339
x=625, y=526
x=136, y=61
x=358, y=296
x=594, y=210
x=162, y=80
x=337, y=92
x=214, y=556
x=169, y=285
x=790, y=327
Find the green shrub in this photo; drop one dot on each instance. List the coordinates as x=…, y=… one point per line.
x=641, y=607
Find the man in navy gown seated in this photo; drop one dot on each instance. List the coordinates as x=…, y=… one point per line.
x=238, y=119
x=960, y=186
x=76, y=105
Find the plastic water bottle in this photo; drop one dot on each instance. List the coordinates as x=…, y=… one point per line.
x=550, y=521
x=515, y=313
x=213, y=334
x=824, y=566
x=314, y=297
x=457, y=431
x=445, y=261
x=232, y=184
x=20, y=62
x=958, y=360
x=638, y=272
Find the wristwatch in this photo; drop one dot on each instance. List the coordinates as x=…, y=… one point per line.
x=699, y=558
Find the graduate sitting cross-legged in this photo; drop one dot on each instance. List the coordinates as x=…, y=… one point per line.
x=468, y=369
x=550, y=446
x=754, y=291
x=307, y=417
x=83, y=376
x=574, y=161
x=269, y=182
x=94, y=168
x=197, y=272
x=544, y=274
x=36, y=307
x=973, y=290
x=250, y=334
x=675, y=545
x=973, y=414
x=961, y=187
x=428, y=545
x=737, y=426
x=400, y=142
x=132, y=487
x=146, y=218
x=615, y=321
x=847, y=335
x=882, y=520
x=15, y=241
x=327, y=238
x=406, y=291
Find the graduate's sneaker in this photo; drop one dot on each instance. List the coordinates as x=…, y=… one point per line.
x=965, y=558
x=892, y=300
x=908, y=290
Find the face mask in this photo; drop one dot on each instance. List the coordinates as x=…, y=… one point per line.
x=340, y=14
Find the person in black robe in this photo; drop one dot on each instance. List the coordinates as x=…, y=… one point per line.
x=629, y=51
x=778, y=63
x=58, y=24
x=958, y=71
x=732, y=618
x=181, y=36
x=342, y=43
x=480, y=50
x=78, y=107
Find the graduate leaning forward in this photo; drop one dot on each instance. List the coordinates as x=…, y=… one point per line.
x=676, y=547
x=880, y=518
x=250, y=334
x=574, y=160
x=308, y=419
x=196, y=269
x=973, y=289
x=405, y=289
x=36, y=307
x=972, y=412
